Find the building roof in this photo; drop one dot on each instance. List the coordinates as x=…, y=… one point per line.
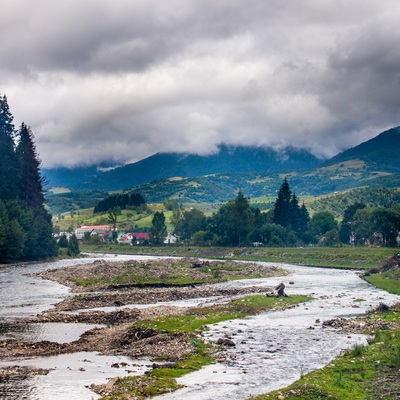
x=139, y=235
x=96, y=227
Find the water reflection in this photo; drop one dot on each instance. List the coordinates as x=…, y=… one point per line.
x=16, y=388
x=35, y=332
x=70, y=377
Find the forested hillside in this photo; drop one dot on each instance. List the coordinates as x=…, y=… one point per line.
x=371, y=197
x=25, y=225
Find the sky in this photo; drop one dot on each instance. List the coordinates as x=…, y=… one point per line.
x=117, y=81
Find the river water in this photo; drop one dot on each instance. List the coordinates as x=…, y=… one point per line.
x=272, y=349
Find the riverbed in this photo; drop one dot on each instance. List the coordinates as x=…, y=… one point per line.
x=271, y=350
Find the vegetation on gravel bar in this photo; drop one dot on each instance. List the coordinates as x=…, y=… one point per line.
x=162, y=380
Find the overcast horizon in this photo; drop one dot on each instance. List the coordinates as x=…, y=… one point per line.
x=116, y=82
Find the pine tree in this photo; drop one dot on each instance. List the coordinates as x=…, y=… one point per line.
x=8, y=161
x=25, y=225
x=30, y=180
x=303, y=220
x=282, y=213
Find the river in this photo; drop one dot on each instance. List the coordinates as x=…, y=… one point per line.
x=272, y=349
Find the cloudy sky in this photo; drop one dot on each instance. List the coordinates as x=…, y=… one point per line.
x=119, y=80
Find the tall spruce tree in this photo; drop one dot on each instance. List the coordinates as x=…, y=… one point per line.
x=30, y=180
x=8, y=161
x=25, y=225
x=282, y=208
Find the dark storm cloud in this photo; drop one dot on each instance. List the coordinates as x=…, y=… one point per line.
x=119, y=81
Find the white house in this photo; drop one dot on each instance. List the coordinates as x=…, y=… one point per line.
x=170, y=239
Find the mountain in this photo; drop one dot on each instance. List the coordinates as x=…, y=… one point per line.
x=381, y=151
x=229, y=159
x=257, y=172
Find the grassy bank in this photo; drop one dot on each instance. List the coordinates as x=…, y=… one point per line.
x=365, y=372
x=389, y=280
x=342, y=257
x=162, y=380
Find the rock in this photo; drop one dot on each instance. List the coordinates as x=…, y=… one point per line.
x=226, y=342
x=280, y=289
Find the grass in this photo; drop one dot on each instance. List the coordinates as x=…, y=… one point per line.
x=200, y=317
x=362, y=258
x=364, y=372
x=162, y=380
x=389, y=280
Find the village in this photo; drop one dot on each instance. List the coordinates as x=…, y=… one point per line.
x=107, y=234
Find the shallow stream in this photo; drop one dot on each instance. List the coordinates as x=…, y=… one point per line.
x=272, y=349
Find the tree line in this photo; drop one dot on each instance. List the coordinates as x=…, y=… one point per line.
x=25, y=225
x=121, y=201
x=288, y=223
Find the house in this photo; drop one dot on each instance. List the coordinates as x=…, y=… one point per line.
x=133, y=238
x=170, y=239
x=92, y=229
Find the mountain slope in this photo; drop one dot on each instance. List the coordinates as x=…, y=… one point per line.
x=381, y=151
x=166, y=165
x=258, y=172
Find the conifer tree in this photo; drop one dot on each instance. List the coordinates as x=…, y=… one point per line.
x=30, y=180
x=8, y=161
x=282, y=209
x=25, y=225
x=303, y=220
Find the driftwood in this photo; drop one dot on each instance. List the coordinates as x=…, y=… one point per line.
x=279, y=291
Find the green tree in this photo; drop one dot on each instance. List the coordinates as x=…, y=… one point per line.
x=386, y=221
x=63, y=241
x=270, y=234
x=29, y=227
x=282, y=209
x=16, y=240
x=345, y=232
x=303, y=220
x=233, y=221
x=8, y=160
x=30, y=180
x=361, y=225
x=190, y=222
x=321, y=223
x=113, y=217
x=158, y=229
x=73, y=246
x=199, y=238
x=4, y=225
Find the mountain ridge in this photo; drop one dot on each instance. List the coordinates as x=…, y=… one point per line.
x=383, y=149
x=229, y=159
x=257, y=171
